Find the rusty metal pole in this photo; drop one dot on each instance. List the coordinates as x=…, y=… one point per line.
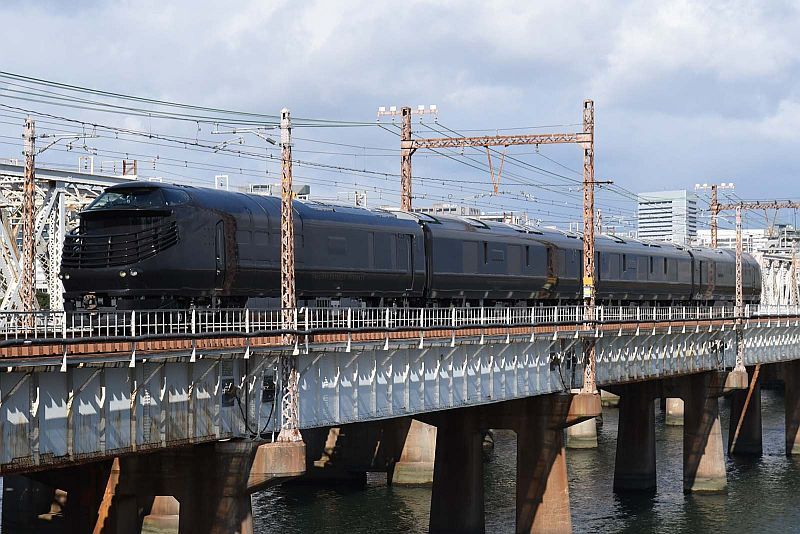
x=795, y=295
x=589, y=385
x=714, y=213
x=739, y=251
x=405, y=161
x=739, y=294
x=28, y=274
x=289, y=402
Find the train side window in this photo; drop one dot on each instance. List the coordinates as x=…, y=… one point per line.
x=665, y=265
x=470, y=256
x=514, y=254
x=527, y=255
x=652, y=270
x=403, y=252
x=624, y=263
x=485, y=252
x=175, y=197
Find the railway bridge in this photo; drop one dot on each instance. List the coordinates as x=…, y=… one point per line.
x=173, y=416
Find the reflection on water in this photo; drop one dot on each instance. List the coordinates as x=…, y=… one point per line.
x=763, y=493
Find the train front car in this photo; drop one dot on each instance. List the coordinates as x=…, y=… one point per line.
x=140, y=246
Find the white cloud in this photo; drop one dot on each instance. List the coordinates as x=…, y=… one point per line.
x=729, y=41
x=691, y=79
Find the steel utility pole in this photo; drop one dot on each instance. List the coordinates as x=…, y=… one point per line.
x=28, y=282
x=714, y=206
x=795, y=294
x=739, y=251
x=589, y=385
x=585, y=138
x=405, y=160
x=714, y=213
x=289, y=403
x=405, y=146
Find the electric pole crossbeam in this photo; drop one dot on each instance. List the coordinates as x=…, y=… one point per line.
x=500, y=140
x=760, y=205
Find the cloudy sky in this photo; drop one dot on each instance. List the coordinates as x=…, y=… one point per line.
x=685, y=92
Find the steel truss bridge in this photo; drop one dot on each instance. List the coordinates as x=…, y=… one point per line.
x=83, y=386
x=59, y=196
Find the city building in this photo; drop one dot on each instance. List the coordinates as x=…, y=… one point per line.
x=449, y=209
x=667, y=216
x=752, y=238
x=508, y=217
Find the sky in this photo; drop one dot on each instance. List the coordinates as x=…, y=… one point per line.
x=684, y=92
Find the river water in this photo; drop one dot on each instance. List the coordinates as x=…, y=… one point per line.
x=763, y=493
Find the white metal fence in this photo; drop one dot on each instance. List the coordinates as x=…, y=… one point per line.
x=202, y=322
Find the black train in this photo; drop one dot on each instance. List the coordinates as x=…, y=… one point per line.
x=153, y=245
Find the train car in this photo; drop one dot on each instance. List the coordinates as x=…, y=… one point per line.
x=157, y=245
x=149, y=245
x=633, y=270
x=474, y=260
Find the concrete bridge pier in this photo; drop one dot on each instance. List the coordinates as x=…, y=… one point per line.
x=791, y=380
x=744, y=434
x=673, y=411
x=703, y=454
x=457, y=494
x=582, y=435
x=542, y=485
x=635, y=467
x=416, y=460
x=207, y=485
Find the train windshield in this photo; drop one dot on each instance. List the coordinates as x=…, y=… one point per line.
x=138, y=199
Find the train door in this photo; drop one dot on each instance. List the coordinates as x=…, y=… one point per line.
x=405, y=257
x=219, y=255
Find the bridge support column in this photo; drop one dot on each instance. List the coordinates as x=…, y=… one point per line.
x=416, y=462
x=635, y=467
x=744, y=434
x=608, y=399
x=542, y=484
x=582, y=435
x=791, y=380
x=457, y=494
x=118, y=512
x=703, y=454
x=217, y=480
x=674, y=412
x=163, y=517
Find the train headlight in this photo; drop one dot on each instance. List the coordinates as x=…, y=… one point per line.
x=122, y=274
x=134, y=273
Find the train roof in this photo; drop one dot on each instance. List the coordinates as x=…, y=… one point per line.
x=321, y=210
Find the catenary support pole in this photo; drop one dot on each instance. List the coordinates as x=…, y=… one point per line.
x=289, y=404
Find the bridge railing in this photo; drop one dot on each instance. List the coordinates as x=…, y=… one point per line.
x=44, y=325
x=763, y=310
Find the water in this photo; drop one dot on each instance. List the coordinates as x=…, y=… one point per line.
x=763, y=493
